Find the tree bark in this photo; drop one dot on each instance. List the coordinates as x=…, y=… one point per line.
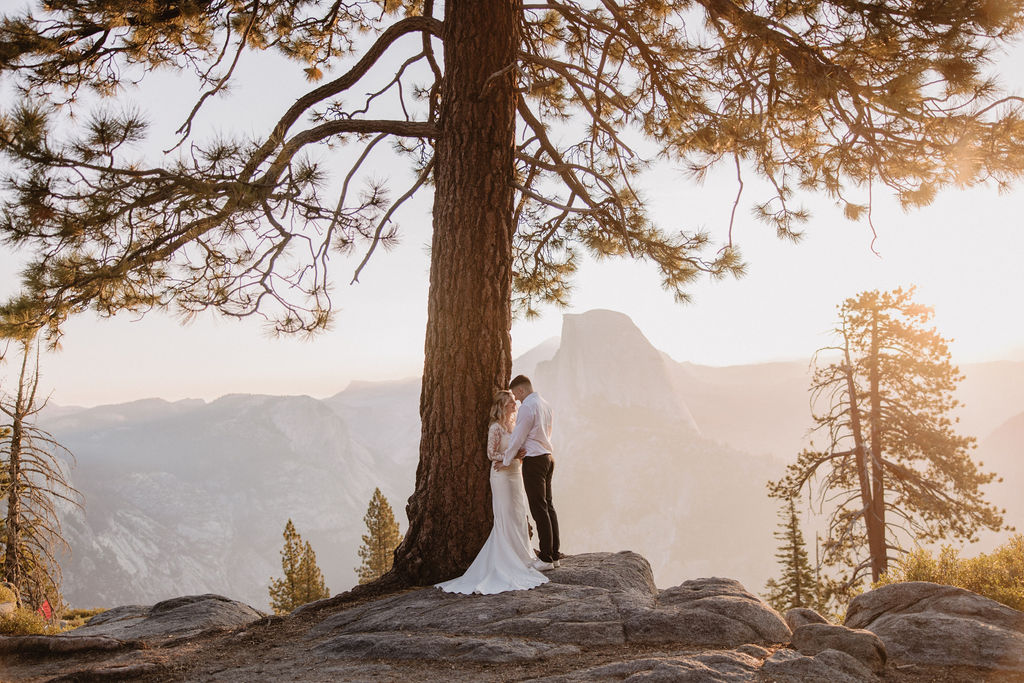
x=12, y=556
x=879, y=550
x=467, y=346
x=12, y=569
x=875, y=531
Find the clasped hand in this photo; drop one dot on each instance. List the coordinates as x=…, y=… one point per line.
x=498, y=466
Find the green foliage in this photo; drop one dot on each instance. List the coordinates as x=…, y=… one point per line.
x=998, y=575
x=893, y=471
x=22, y=622
x=380, y=540
x=798, y=585
x=76, y=618
x=7, y=595
x=303, y=581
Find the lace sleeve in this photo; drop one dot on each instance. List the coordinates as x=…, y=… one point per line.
x=494, y=451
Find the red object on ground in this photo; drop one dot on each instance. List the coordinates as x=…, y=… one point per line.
x=46, y=610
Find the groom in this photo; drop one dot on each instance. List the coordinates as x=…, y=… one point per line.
x=533, y=434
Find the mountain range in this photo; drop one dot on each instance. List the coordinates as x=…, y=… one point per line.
x=665, y=458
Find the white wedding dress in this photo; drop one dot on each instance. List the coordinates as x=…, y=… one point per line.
x=504, y=563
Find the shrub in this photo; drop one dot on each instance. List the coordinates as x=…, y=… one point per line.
x=22, y=622
x=7, y=595
x=73, y=618
x=83, y=613
x=998, y=575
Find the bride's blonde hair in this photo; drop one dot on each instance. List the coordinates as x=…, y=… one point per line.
x=497, y=406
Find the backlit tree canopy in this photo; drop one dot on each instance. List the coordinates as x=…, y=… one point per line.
x=894, y=471
x=833, y=96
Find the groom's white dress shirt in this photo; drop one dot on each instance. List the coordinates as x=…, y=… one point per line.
x=532, y=430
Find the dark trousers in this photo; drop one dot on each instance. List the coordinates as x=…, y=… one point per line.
x=537, y=471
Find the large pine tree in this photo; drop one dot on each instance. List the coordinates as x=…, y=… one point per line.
x=894, y=472
x=532, y=122
x=380, y=540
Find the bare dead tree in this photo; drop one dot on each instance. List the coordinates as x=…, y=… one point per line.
x=32, y=484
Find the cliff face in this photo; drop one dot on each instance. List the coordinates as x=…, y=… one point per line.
x=633, y=468
x=605, y=364
x=180, y=498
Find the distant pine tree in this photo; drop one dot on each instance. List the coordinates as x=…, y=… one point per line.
x=303, y=582
x=310, y=581
x=380, y=541
x=798, y=586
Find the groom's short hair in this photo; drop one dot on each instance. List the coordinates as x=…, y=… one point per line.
x=520, y=380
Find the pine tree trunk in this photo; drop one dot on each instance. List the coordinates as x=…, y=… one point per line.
x=12, y=546
x=879, y=550
x=794, y=538
x=12, y=570
x=875, y=532
x=467, y=348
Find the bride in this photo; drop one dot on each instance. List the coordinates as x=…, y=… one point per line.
x=505, y=561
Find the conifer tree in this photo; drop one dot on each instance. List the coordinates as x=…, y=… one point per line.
x=32, y=485
x=798, y=585
x=380, y=540
x=302, y=581
x=531, y=123
x=310, y=581
x=894, y=471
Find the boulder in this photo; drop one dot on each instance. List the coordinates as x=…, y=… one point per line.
x=175, y=618
x=930, y=624
x=706, y=667
x=865, y=646
x=789, y=666
x=799, y=616
x=755, y=651
x=714, y=612
x=63, y=645
x=592, y=600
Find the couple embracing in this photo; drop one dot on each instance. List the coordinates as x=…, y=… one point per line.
x=519, y=448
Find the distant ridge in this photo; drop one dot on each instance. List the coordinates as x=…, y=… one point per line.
x=191, y=496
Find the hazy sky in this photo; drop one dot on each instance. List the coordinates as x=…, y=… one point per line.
x=963, y=253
